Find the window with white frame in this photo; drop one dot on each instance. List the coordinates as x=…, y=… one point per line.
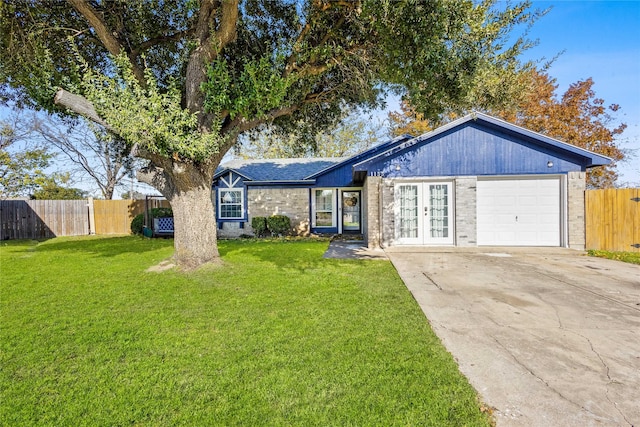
x=230, y=202
x=323, y=208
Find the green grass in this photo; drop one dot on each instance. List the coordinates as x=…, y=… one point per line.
x=276, y=336
x=630, y=257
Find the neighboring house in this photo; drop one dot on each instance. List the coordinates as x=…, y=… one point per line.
x=477, y=181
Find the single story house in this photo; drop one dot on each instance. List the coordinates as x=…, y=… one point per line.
x=477, y=181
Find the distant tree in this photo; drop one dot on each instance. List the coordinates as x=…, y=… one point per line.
x=410, y=121
x=22, y=167
x=578, y=118
x=133, y=196
x=356, y=132
x=101, y=155
x=53, y=190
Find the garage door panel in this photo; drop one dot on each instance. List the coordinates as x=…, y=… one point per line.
x=519, y=212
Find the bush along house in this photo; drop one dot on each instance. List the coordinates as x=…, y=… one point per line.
x=477, y=181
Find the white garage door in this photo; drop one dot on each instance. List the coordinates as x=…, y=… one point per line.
x=519, y=212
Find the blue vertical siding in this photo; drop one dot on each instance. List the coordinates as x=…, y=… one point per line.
x=475, y=150
x=339, y=177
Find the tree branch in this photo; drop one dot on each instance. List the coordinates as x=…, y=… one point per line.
x=107, y=36
x=157, y=178
x=226, y=28
x=147, y=44
x=226, y=31
x=208, y=47
x=321, y=6
x=239, y=125
x=80, y=105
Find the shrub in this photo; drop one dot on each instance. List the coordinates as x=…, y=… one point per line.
x=259, y=225
x=138, y=222
x=279, y=224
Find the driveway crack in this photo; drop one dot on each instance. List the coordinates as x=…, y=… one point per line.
x=562, y=396
x=433, y=282
x=611, y=381
x=555, y=309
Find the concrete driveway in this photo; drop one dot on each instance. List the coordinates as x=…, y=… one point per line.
x=549, y=337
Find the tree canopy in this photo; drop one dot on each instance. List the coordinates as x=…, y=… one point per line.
x=181, y=80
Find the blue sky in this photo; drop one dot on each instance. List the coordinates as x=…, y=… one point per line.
x=600, y=39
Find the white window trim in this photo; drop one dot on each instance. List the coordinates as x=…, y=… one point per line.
x=219, y=203
x=334, y=208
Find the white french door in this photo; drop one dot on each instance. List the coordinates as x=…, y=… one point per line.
x=424, y=213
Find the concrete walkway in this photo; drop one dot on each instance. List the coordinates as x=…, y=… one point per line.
x=352, y=249
x=549, y=337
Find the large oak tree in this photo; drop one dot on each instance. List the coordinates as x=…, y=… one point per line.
x=181, y=80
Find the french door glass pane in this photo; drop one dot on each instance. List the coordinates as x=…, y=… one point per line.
x=408, y=211
x=439, y=210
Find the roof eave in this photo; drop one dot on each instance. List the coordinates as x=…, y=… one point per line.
x=227, y=170
x=282, y=182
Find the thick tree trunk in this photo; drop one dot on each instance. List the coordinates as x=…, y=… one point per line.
x=195, y=227
x=188, y=189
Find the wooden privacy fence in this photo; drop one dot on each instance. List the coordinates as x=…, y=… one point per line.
x=43, y=219
x=115, y=216
x=613, y=219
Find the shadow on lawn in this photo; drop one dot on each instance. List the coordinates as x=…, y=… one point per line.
x=105, y=246
x=299, y=255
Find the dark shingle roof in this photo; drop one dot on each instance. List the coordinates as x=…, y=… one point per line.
x=278, y=169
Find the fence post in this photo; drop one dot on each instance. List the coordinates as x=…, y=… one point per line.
x=92, y=216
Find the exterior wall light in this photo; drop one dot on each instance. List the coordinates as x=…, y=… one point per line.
x=549, y=164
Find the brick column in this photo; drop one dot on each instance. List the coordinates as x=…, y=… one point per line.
x=466, y=211
x=576, y=184
x=371, y=207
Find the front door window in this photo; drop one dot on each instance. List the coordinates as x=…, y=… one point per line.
x=351, y=210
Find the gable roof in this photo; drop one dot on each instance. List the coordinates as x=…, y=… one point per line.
x=592, y=159
x=277, y=170
x=297, y=169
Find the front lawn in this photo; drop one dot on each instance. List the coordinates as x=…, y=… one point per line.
x=276, y=336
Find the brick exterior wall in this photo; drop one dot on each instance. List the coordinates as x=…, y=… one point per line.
x=466, y=211
x=576, y=184
x=388, y=214
x=292, y=202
